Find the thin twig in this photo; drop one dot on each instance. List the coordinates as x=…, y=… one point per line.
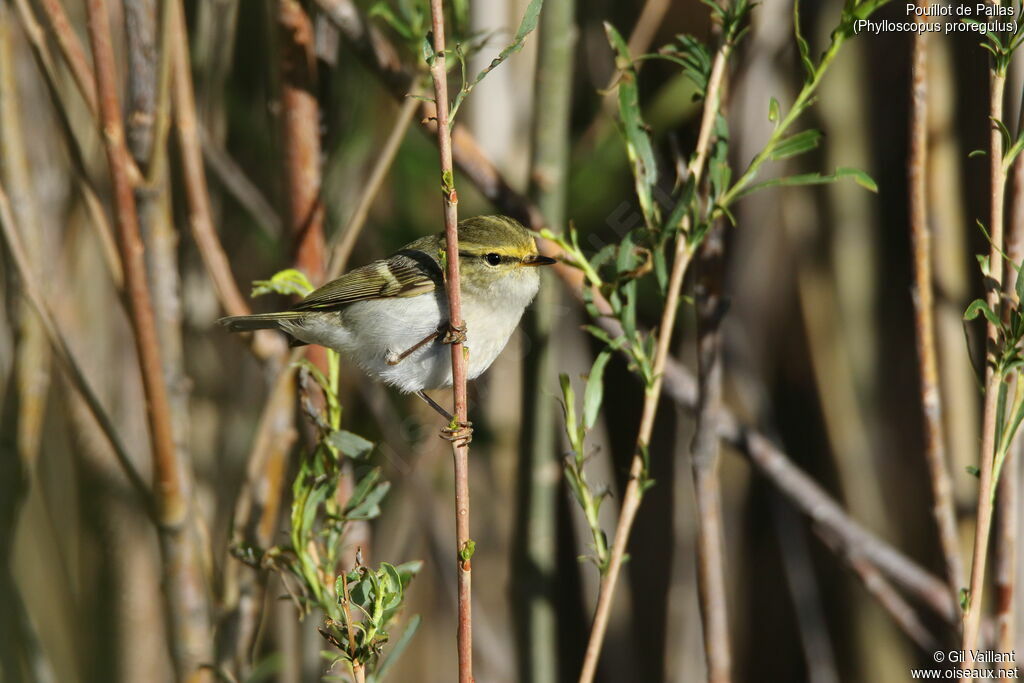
x=997, y=172
x=342, y=242
x=460, y=447
x=924, y=324
x=188, y=605
x=631, y=497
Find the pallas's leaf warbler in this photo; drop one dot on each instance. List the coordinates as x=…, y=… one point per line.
x=390, y=317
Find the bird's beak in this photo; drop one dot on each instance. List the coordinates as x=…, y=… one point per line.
x=538, y=260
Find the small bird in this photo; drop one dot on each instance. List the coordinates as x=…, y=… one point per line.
x=390, y=317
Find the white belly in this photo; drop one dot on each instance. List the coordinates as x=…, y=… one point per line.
x=372, y=332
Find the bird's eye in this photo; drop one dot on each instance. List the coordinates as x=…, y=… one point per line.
x=492, y=259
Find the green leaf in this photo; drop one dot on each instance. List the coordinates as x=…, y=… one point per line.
x=638, y=140
x=288, y=282
x=351, y=445
x=369, y=508
x=802, y=46
x=981, y=306
x=594, y=392
x=796, y=144
x=529, y=22
x=397, y=649
x=858, y=176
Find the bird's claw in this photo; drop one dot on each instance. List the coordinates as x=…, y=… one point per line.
x=454, y=334
x=459, y=433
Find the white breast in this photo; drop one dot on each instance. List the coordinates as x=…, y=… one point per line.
x=371, y=332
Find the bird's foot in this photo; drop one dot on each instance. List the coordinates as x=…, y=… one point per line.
x=393, y=358
x=453, y=334
x=459, y=433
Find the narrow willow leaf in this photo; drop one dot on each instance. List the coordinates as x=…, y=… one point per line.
x=397, y=649
x=593, y=395
x=351, y=445
x=981, y=306
x=796, y=144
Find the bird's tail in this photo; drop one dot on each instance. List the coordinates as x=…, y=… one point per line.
x=259, y=321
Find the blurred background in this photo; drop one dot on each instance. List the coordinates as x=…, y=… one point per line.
x=819, y=346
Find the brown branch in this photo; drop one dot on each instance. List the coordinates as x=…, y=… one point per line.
x=301, y=119
x=705, y=456
x=986, y=492
x=188, y=604
x=72, y=51
x=887, y=596
x=943, y=508
x=460, y=447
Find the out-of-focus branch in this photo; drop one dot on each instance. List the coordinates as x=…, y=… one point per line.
x=188, y=602
x=30, y=286
x=256, y=515
x=535, y=552
x=32, y=364
x=799, y=488
x=887, y=596
x=705, y=455
x=301, y=119
x=265, y=344
x=235, y=181
x=47, y=66
x=460, y=446
x=72, y=51
x=344, y=240
x=943, y=508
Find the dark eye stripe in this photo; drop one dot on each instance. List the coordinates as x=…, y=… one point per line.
x=489, y=257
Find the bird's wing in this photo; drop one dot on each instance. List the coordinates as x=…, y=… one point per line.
x=406, y=274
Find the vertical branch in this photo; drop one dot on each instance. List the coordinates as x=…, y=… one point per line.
x=187, y=594
x=460, y=449
x=148, y=105
x=631, y=498
x=997, y=173
x=705, y=454
x=535, y=556
x=301, y=116
x=1008, y=544
x=920, y=237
